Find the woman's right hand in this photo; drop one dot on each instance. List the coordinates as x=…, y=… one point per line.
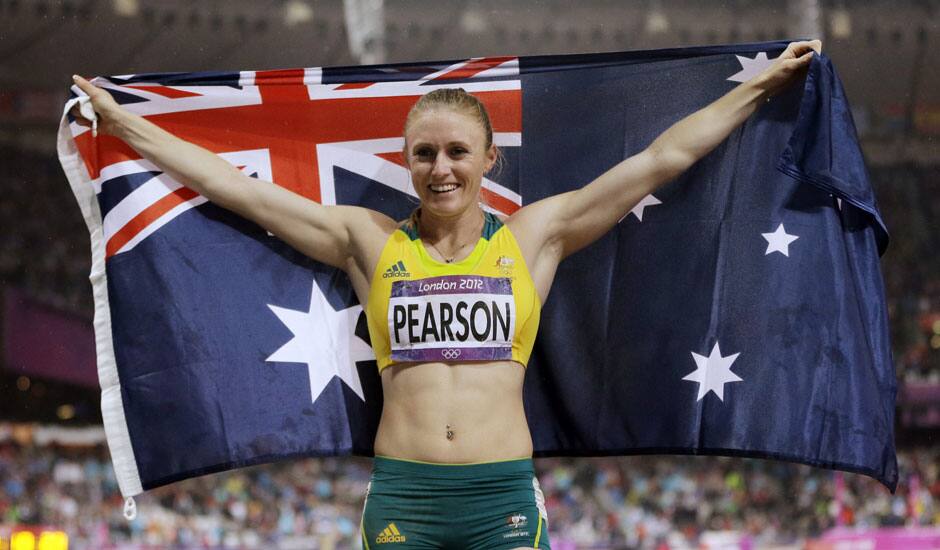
x=108, y=110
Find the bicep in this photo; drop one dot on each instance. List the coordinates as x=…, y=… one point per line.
x=553, y=228
x=331, y=234
x=590, y=212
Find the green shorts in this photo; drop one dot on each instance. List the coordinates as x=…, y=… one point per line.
x=491, y=505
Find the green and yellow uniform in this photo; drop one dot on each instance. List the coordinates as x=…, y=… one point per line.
x=485, y=506
x=482, y=308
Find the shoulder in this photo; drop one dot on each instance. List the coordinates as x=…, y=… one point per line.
x=534, y=223
x=369, y=231
x=365, y=221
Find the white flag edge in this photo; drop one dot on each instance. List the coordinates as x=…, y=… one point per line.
x=112, y=407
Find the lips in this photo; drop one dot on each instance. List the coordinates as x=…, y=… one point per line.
x=443, y=187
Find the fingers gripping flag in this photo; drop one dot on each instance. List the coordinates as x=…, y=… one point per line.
x=737, y=310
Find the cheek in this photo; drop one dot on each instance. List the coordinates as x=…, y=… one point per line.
x=475, y=174
x=417, y=172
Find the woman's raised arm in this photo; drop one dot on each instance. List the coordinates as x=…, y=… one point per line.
x=333, y=235
x=554, y=228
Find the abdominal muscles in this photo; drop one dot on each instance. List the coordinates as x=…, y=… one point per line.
x=453, y=412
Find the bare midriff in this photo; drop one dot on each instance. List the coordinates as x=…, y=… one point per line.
x=454, y=413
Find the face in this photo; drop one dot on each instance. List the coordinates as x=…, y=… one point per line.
x=446, y=153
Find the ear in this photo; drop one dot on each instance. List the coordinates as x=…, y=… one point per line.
x=492, y=154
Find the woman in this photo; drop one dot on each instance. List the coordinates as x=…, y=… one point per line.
x=452, y=297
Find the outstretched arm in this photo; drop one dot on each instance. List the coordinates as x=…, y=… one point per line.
x=553, y=228
x=334, y=235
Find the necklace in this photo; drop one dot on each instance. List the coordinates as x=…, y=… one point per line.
x=446, y=259
x=456, y=251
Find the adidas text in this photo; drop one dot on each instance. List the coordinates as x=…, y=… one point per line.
x=390, y=534
x=397, y=270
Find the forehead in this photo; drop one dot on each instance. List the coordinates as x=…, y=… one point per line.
x=444, y=125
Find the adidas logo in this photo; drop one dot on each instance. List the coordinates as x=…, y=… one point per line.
x=397, y=270
x=391, y=533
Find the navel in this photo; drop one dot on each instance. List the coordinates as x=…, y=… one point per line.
x=450, y=433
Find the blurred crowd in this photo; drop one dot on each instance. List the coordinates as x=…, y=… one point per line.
x=655, y=502
x=909, y=198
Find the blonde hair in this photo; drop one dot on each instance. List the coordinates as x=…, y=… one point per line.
x=457, y=99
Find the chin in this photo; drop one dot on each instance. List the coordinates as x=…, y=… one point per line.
x=448, y=206
x=442, y=210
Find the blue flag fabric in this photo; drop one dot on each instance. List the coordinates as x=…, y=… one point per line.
x=739, y=310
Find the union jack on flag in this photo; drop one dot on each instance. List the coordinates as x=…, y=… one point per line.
x=320, y=120
x=737, y=310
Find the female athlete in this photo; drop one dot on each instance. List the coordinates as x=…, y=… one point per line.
x=452, y=297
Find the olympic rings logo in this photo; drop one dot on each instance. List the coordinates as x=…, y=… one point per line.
x=450, y=353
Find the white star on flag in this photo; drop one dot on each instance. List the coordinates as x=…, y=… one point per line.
x=325, y=340
x=750, y=67
x=648, y=200
x=779, y=241
x=712, y=373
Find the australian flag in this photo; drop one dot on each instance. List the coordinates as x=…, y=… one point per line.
x=739, y=310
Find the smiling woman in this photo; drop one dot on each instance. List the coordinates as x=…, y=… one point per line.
x=452, y=323
x=448, y=146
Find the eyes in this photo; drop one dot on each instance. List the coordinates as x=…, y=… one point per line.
x=427, y=153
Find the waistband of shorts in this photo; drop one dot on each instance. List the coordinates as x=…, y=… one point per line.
x=472, y=470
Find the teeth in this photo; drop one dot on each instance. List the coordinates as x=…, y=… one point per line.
x=443, y=188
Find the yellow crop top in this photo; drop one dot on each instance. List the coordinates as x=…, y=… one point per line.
x=482, y=308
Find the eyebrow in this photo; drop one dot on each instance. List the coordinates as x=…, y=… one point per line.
x=463, y=144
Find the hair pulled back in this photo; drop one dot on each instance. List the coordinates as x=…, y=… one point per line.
x=457, y=99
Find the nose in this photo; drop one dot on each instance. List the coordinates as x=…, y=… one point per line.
x=442, y=166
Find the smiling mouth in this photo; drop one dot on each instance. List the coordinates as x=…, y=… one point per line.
x=443, y=188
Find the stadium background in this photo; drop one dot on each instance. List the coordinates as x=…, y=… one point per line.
x=57, y=487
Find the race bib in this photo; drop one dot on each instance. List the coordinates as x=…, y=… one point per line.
x=452, y=318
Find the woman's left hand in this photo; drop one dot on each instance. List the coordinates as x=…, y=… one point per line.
x=791, y=64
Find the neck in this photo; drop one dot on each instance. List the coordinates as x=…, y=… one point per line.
x=451, y=232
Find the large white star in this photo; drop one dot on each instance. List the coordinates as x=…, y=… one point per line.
x=648, y=200
x=779, y=241
x=751, y=67
x=325, y=340
x=712, y=373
